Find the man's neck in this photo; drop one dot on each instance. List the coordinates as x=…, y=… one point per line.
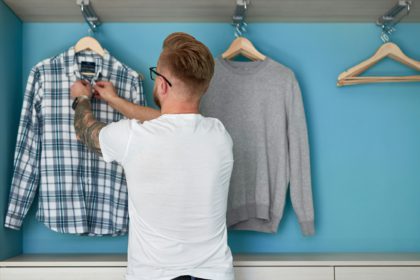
x=180, y=109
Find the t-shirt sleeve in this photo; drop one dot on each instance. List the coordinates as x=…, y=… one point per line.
x=114, y=140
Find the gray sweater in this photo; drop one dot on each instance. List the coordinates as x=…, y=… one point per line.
x=261, y=106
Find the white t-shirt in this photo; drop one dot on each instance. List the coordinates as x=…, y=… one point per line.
x=178, y=169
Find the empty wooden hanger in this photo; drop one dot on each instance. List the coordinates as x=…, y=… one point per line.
x=391, y=50
x=243, y=46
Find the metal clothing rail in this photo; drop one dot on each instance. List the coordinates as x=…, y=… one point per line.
x=392, y=17
x=89, y=14
x=238, y=18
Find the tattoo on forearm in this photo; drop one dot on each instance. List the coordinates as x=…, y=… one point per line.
x=87, y=127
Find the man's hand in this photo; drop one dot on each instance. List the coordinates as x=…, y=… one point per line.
x=105, y=90
x=80, y=88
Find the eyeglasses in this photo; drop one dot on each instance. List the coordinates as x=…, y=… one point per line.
x=154, y=73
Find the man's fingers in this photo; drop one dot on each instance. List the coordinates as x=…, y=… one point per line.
x=96, y=94
x=80, y=87
x=103, y=83
x=82, y=83
x=98, y=89
x=99, y=84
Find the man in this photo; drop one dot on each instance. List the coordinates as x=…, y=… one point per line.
x=177, y=166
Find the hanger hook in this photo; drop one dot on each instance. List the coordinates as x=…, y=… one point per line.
x=244, y=26
x=384, y=37
x=388, y=21
x=386, y=33
x=90, y=32
x=238, y=32
x=89, y=15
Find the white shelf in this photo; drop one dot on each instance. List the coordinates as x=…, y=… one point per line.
x=67, y=260
x=208, y=11
x=310, y=266
x=329, y=259
x=240, y=260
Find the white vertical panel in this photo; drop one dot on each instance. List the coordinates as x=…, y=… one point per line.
x=377, y=273
x=62, y=273
x=284, y=273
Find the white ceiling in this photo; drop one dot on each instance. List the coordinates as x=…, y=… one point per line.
x=208, y=10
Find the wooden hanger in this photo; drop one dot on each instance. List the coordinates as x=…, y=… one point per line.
x=391, y=50
x=368, y=80
x=89, y=43
x=244, y=47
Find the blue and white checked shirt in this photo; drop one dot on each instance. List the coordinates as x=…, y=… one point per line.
x=79, y=192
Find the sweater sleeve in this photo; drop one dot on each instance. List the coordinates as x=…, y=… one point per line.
x=299, y=162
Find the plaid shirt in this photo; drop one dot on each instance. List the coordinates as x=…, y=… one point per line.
x=79, y=192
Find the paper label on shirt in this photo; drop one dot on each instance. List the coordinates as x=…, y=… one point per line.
x=88, y=67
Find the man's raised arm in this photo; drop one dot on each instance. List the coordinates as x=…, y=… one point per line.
x=86, y=126
x=107, y=92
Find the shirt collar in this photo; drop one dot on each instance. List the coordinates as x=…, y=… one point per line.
x=103, y=65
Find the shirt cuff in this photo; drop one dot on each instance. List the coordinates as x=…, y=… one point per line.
x=13, y=223
x=307, y=227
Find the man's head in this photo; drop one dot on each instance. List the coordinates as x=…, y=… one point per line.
x=188, y=66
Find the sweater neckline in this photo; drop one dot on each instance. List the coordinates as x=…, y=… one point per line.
x=243, y=67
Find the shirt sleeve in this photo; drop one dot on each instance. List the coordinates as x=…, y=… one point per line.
x=135, y=93
x=300, y=170
x=114, y=140
x=27, y=155
x=141, y=99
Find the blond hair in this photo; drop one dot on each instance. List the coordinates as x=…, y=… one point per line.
x=189, y=60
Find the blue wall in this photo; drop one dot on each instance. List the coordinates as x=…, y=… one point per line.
x=10, y=96
x=364, y=139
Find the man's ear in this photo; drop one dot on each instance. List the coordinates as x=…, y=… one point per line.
x=163, y=86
